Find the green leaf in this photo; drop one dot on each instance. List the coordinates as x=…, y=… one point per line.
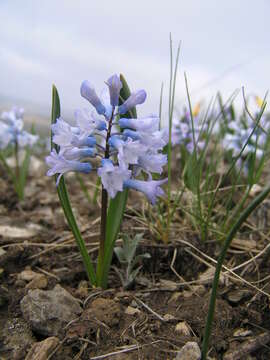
x=65, y=203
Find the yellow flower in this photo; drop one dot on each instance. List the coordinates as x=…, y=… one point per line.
x=259, y=101
x=196, y=109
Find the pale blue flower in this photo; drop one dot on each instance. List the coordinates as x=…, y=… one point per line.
x=65, y=135
x=123, y=154
x=5, y=135
x=150, y=124
x=150, y=188
x=115, y=85
x=113, y=177
x=128, y=150
x=59, y=165
x=11, y=129
x=77, y=153
x=156, y=140
x=153, y=162
x=89, y=93
x=135, y=99
x=27, y=139
x=88, y=122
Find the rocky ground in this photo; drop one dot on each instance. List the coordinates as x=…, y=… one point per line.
x=49, y=311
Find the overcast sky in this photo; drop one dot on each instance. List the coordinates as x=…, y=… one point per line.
x=225, y=45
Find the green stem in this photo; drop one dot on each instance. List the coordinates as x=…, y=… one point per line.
x=104, y=210
x=245, y=214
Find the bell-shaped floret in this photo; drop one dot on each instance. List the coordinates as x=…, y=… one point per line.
x=113, y=177
x=89, y=93
x=150, y=123
x=153, y=162
x=155, y=141
x=128, y=150
x=59, y=165
x=134, y=99
x=150, y=188
x=87, y=122
x=115, y=85
x=66, y=135
x=77, y=153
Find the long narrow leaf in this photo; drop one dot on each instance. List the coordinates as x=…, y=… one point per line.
x=65, y=203
x=24, y=172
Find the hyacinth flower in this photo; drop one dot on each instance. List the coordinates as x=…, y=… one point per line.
x=186, y=135
x=13, y=137
x=244, y=137
x=129, y=150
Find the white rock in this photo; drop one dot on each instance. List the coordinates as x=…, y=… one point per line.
x=168, y=317
x=17, y=232
x=41, y=350
x=190, y=351
x=27, y=275
x=132, y=311
x=182, y=328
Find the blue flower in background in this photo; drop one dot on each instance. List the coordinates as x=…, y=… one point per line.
x=11, y=130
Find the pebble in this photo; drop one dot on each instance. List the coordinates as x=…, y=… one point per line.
x=182, y=328
x=27, y=275
x=40, y=281
x=236, y=296
x=168, y=317
x=132, y=311
x=190, y=351
x=48, y=312
x=15, y=232
x=41, y=350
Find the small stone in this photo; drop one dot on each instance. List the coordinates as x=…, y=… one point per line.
x=190, y=351
x=48, y=312
x=168, y=317
x=41, y=350
x=40, y=281
x=242, y=332
x=255, y=189
x=14, y=232
x=132, y=311
x=207, y=277
x=237, y=296
x=182, y=328
x=27, y=275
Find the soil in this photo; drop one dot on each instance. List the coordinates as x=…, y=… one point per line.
x=165, y=307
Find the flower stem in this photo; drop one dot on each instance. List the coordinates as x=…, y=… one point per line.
x=104, y=206
x=104, y=209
